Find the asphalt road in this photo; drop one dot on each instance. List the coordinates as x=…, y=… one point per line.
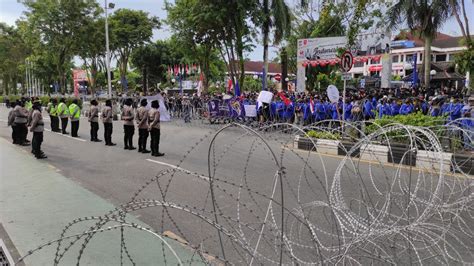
x=242, y=166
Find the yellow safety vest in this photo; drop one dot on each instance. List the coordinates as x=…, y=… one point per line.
x=74, y=110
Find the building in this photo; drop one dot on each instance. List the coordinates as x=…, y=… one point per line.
x=405, y=48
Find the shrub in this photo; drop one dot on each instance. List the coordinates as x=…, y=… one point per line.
x=415, y=119
x=323, y=135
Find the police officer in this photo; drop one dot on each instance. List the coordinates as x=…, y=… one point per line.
x=107, y=120
x=94, y=120
x=11, y=122
x=154, y=128
x=128, y=126
x=75, y=114
x=37, y=127
x=53, y=116
x=63, y=113
x=141, y=117
x=20, y=120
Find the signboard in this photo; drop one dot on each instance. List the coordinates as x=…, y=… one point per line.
x=346, y=76
x=78, y=75
x=362, y=83
x=250, y=110
x=367, y=43
x=333, y=93
x=347, y=61
x=265, y=97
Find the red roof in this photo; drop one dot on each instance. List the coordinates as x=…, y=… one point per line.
x=257, y=67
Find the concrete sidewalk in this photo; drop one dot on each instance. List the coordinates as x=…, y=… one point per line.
x=37, y=202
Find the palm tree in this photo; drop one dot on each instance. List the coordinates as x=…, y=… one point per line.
x=425, y=18
x=276, y=15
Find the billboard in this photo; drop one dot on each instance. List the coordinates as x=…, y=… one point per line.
x=78, y=75
x=323, y=51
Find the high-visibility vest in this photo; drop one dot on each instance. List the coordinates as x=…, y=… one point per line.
x=53, y=111
x=63, y=108
x=74, y=110
x=28, y=105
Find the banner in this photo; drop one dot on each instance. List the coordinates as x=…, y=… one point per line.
x=265, y=97
x=250, y=110
x=78, y=75
x=164, y=114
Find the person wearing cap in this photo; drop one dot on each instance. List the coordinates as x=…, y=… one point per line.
x=128, y=126
x=11, y=122
x=63, y=114
x=75, y=114
x=154, y=128
x=94, y=120
x=107, y=120
x=21, y=118
x=141, y=117
x=37, y=127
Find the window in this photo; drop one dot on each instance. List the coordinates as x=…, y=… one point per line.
x=409, y=58
x=395, y=58
x=441, y=58
x=451, y=57
x=420, y=56
x=359, y=64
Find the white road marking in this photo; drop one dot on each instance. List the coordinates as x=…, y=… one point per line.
x=67, y=136
x=181, y=169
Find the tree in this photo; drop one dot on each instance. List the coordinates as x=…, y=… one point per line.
x=207, y=26
x=92, y=51
x=465, y=60
x=58, y=29
x=13, y=52
x=130, y=29
x=276, y=15
x=423, y=17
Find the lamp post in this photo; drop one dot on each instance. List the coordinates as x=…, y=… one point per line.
x=107, y=52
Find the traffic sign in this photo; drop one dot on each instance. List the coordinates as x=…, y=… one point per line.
x=347, y=60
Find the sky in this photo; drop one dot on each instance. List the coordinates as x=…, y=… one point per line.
x=11, y=10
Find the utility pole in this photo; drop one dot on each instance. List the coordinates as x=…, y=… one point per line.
x=107, y=52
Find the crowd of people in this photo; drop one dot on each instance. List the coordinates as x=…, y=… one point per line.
x=307, y=108
x=290, y=107
x=27, y=113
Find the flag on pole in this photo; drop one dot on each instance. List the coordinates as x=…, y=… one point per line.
x=237, y=89
x=229, y=85
x=200, y=84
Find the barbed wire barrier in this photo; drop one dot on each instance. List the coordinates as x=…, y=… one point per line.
x=260, y=200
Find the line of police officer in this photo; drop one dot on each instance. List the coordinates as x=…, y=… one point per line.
x=27, y=113
x=148, y=122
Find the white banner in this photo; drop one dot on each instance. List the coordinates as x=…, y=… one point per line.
x=265, y=97
x=164, y=114
x=250, y=110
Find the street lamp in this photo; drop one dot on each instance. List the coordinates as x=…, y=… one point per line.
x=255, y=77
x=107, y=52
x=433, y=72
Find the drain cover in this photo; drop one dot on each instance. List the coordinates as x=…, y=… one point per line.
x=5, y=257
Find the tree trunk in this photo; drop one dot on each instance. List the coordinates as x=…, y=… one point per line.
x=284, y=69
x=144, y=84
x=266, y=32
x=427, y=60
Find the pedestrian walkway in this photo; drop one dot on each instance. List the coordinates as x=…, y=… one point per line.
x=36, y=202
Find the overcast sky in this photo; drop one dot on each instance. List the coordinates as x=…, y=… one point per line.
x=11, y=10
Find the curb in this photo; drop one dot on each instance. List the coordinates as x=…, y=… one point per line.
x=451, y=163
